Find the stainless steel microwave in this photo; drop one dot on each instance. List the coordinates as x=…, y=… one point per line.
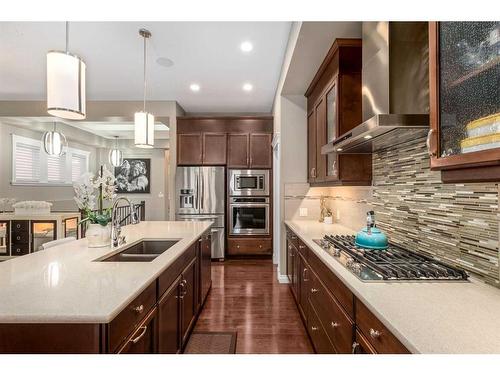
x=248, y=182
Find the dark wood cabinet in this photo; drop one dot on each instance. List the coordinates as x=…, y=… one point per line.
x=361, y=345
x=143, y=340
x=250, y=150
x=337, y=322
x=158, y=320
x=201, y=148
x=188, y=299
x=214, y=148
x=261, y=150
x=169, y=335
x=311, y=146
x=190, y=149
x=334, y=107
x=237, y=246
x=205, y=259
x=464, y=95
x=238, y=151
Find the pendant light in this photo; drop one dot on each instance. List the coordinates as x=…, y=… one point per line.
x=54, y=142
x=65, y=83
x=144, y=121
x=116, y=155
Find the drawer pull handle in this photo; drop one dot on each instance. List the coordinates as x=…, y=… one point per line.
x=139, y=309
x=138, y=338
x=304, y=275
x=314, y=290
x=374, y=333
x=355, y=347
x=314, y=328
x=184, y=281
x=334, y=324
x=301, y=247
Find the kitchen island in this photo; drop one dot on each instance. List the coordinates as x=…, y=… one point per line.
x=392, y=317
x=62, y=300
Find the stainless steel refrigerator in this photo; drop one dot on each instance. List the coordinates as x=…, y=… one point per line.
x=200, y=195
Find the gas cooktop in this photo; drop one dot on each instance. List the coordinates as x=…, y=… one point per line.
x=393, y=264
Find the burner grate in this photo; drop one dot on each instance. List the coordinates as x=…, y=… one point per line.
x=394, y=263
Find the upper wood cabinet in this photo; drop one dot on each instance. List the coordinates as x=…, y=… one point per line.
x=464, y=71
x=214, y=148
x=261, y=150
x=250, y=150
x=238, y=142
x=190, y=149
x=201, y=149
x=238, y=151
x=334, y=107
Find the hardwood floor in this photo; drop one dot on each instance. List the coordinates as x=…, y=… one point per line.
x=246, y=297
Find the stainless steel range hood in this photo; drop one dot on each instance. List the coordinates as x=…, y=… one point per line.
x=395, y=88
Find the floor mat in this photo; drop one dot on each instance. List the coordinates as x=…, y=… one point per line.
x=211, y=343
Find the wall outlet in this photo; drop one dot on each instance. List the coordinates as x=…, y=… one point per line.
x=337, y=215
x=303, y=211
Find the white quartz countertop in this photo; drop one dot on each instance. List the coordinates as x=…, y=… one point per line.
x=64, y=285
x=427, y=317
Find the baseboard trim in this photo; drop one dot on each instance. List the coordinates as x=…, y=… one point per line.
x=283, y=279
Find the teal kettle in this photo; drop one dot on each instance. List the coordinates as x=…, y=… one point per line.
x=371, y=237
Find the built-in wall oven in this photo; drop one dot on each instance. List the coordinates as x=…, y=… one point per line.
x=249, y=216
x=245, y=182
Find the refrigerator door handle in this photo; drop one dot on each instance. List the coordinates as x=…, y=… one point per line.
x=202, y=191
x=197, y=197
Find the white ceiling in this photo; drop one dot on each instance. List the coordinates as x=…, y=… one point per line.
x=313, y=43
x=206, y=53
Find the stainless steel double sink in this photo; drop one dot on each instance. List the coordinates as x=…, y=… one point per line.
x=143, y=251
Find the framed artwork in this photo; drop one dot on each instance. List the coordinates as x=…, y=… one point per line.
x=133, y=176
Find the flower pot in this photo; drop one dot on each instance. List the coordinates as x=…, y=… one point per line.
x=98, y=235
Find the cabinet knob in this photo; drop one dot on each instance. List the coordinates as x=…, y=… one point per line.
x=139, y=309
x=374, y=333
x=237, y=246
x=313, y=328
x=301, y=247
x=334, y=324
x=313, y=290
x=260, y=246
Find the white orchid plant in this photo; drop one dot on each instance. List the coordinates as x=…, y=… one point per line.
x=92, y=191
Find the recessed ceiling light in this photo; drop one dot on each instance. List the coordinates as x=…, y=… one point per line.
x=194, y=87
x=247, y=87
x=367, y=136
x=165, y=62
x=246, y=46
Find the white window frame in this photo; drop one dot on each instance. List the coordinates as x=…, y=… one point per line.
x=43, y=163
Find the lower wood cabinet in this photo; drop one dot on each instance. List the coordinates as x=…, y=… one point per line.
x=205, y=264
x=159, y=320
x=143, y=340
x=169, y=341
x=336, y=321
x=249, y=246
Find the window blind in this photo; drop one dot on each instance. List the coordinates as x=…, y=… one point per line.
x=31, y=165
x=27, y=162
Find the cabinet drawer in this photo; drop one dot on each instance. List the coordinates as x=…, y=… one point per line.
x=303, y=249
x=376, y=333
x=338, y=326
x=292, y=237
x=122, y=326
x=174, y=270
x=20, y=237
x=20, y=226
x=249, y=246
x=343, y=295
x=319, y=338
x=143, y=340
x=20, y=249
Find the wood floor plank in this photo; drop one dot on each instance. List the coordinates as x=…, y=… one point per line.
x=246, y=297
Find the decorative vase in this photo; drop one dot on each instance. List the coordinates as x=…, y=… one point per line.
x=98, y=235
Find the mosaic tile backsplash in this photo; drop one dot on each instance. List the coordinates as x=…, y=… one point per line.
x=456, y=223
